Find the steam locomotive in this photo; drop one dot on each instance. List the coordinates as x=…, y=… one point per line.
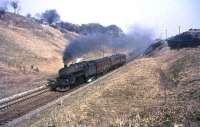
x=86, y=71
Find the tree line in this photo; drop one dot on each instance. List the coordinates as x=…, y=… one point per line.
x=49, y=16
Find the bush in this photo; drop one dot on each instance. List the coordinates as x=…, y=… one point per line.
x=50, y=16
x=3, y=7
x=187, y=39
x=2, y=12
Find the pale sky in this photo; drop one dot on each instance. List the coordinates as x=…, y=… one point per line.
x=156, y=14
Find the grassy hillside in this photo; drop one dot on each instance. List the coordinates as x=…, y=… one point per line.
x=26, y=43
x=28, y=51
x=162, y=90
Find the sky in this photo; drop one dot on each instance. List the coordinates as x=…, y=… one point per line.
x=159, y=15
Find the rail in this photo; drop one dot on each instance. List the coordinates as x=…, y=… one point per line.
x=6, y=102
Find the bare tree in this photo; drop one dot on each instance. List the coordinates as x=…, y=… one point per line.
x=3, y=7
x=15, y=5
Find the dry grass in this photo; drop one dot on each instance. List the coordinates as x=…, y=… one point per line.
x=34, y=51
x=13, y=81
x=24, y=42
x=25, y=49
x=141, y=94
x=28, y=53
x=158, y=91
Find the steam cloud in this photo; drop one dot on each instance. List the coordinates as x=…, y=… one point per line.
x=135, y=42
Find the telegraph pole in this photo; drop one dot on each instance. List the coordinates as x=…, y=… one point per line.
x=166, y=33
x=161, y=35
x=103, y=48
x=103, y=51
x=179, y=29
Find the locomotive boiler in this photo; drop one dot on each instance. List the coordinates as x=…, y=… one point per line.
x=86, y=71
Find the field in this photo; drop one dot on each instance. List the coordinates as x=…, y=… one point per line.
x=162, y=90
x=29, y=53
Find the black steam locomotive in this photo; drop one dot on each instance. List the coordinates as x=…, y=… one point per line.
x=86, y=71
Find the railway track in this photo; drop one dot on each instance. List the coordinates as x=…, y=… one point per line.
x=31, y=103
x=21, y=104
x=7, y=102
x=9, y=106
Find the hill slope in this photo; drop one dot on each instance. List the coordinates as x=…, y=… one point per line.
x=162, y=90
x=28, y=51
x=27, y=43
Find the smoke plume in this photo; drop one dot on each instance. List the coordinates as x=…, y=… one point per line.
x=134, y=42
